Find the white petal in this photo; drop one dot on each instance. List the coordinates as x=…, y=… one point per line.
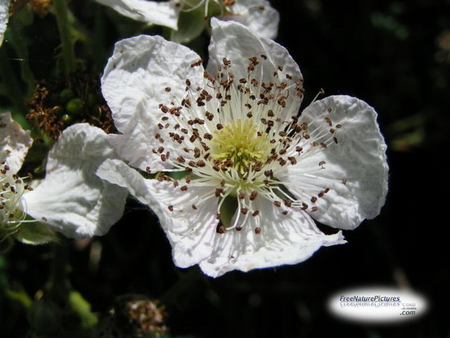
x=14, y=142
x=358, y=160
x=257, y=15
x=72, y=199
x=151, y=12
x=136, y=81
x=191, y=232
x=284, y=239
x=4, y=15
x=237, y=43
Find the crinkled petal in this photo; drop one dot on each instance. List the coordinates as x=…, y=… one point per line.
x=4, y=14
x=237, y=43
x=72, y=199
x=257, y=15
x=151, y=12
x=14, y=142
x=355, y=169
x=144, y=72
x=190, y=232
x=284, y=239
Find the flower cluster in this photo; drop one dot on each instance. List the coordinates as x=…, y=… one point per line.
x=216, y=148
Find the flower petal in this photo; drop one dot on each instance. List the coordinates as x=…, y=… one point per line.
x=272, y=57
x=151, y=12
x=190, y=232
x=355, y=169
x=4, y=15
x=14, y=142
x=257, y=15
x=284, y=239
x=144, y=72
x=72, y=199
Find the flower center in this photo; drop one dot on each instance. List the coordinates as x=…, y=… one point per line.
x=235, y=139
x=12, y=211
x=240, y=145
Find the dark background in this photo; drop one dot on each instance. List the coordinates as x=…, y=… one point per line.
x=395, y=55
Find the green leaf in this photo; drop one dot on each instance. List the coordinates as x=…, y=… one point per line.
x=190, y=26
x=36, y=233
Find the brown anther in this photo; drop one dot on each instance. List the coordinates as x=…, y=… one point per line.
x=196, y=64
x=255, y=213
x=293, y=160
x=221, y=229
x=268, y=173
x=253, y=195
x=218, y=192
x=257, y=230
x=170, y=207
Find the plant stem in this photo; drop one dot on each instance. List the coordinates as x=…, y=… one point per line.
x=65, y=31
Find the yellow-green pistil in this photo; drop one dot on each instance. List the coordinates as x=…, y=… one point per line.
x=240, y=143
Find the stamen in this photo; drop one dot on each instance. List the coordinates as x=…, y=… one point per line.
x=12, y=206
x=227, y=136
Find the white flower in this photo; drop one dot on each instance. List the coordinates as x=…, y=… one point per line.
x=4, y=14
x=255, y=172
x=257, y=15
x=71, y=199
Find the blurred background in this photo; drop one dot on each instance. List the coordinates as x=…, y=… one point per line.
x=395, y=55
